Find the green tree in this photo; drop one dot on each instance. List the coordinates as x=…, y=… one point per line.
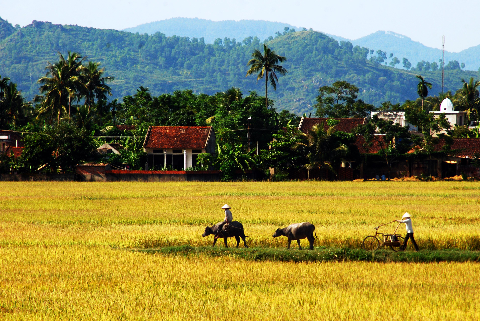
x=95, y=84
x=406, y=64
x=429, y=125
x=58, y=148
x=470, y=98
x=327, y=147
x=422, y=88
x=231, y=158
x=61, y=84
x=395, y=61
x=267, y=66
x=340, y=101
x=394, y=140
x=288, y=150
x=13, y=109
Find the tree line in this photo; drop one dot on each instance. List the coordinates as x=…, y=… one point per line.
x=72, y=116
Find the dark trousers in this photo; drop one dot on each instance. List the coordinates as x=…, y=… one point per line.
x=409, y=236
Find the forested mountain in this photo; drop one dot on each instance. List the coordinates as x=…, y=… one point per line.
x=165, y=64
x=390, y=42
x=212, y=30
x=404, y=47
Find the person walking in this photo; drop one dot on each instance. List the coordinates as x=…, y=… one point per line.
x=408, y=224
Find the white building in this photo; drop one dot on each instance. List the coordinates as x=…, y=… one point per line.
x=454, y=117
x=397, y=117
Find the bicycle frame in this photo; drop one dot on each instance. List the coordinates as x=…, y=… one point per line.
x=373, y=242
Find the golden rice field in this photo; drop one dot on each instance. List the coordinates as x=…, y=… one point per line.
x=65, y=251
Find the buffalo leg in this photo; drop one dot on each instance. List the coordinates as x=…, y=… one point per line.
x=214, y=241
x=288, y=244
x=225, y=241
x=299, y=247
x=238, y=240
x=311, y=239
x=244, y=242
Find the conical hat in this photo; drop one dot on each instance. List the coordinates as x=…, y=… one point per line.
x=406, y=215
x=226, y=206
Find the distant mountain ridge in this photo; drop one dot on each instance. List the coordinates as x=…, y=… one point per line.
x=402, y=46
x=390, y=42
x=212, y=30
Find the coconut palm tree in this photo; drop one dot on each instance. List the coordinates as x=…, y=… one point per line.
x=94, y=83
x=422, y=88
x=3, y=84
x=267, y=66
x=61, y=84
x=471, y=96
x=12, y=106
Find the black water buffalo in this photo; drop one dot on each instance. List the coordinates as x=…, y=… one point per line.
x=235, y=230
x=297, y=232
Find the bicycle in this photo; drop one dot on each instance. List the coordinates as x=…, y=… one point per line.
x=372, y=242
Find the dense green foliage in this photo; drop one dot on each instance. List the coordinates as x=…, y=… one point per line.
x=166, y=64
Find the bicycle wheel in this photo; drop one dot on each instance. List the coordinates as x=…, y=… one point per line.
x=397, y=248
x=370, y=243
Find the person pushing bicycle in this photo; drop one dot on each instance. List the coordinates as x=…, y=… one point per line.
x=408, y=224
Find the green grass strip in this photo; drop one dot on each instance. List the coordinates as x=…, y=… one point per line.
x=319, y=254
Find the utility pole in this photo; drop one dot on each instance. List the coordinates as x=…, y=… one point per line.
x=443, y=60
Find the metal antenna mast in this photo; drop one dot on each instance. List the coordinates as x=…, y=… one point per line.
x=443, y=60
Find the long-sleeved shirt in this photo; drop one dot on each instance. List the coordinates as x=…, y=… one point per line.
x=408, y=224
x=228, y=215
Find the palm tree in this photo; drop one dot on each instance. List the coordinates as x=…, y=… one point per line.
x=267, y=66
x=3, y=84
x=12, y=107
x=422, y=88
x=61, y=84
x=325, y=147
x=471, y=95
x=94, y=83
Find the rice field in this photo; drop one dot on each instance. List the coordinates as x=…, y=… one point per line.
x=66, y=251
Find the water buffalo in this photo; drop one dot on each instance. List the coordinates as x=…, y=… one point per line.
x=235, y=230
x=297, y=232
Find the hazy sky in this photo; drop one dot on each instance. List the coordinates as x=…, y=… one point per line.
x=425, y=21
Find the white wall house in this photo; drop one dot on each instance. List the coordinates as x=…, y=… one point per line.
x=454, y=117
x=397, y=117
x=177, y=147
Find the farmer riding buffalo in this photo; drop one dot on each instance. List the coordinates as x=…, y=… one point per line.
x=227, y=228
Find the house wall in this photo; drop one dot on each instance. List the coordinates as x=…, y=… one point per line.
x=179, y=161
x=92, y=173
x=162, y=176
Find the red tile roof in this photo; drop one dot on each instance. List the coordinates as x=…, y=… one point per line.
x=345, y=125
x=16, y=151
x=376, y=145
x=177, y=137
x=463, y=147
x=125, y=127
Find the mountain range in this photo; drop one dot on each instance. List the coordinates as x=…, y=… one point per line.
x=387, y=41
x=165, y=64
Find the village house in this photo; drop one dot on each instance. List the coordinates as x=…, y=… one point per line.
x=455, y=118
x=397, y=117
x=463, y=158
x=177, y=147
x=11, y=142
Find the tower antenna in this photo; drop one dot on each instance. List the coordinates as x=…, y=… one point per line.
x=443, y=60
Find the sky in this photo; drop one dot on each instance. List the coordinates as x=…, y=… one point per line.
x=424, y=21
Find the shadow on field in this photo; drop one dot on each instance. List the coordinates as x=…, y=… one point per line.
x=318, y=254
